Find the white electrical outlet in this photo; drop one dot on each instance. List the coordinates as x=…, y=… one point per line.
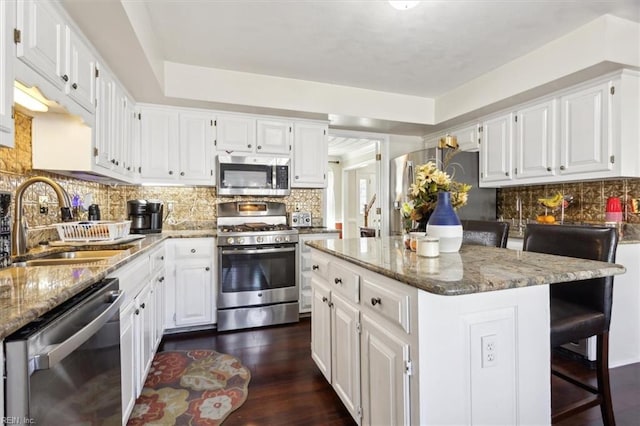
x=489, y=350
x=170, y=206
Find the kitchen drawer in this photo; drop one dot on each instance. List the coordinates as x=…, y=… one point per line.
x=387, y=300
x=320, y=267
x=191, y=248
x=345, y=281
x=156, y=259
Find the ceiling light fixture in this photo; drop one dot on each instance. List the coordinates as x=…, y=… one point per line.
x=23, y=97
x=403, y=5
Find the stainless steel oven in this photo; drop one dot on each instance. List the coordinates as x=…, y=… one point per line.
x=64, y=367
x=256, y=266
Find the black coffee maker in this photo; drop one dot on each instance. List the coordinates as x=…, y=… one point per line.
x=145, y=216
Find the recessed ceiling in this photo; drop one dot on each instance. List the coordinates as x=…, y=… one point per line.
x=425, y=51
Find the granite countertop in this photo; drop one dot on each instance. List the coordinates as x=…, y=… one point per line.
x=474, y=269
x=29, y=292
x=317, y=230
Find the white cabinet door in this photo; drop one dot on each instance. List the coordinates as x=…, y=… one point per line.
x=159, y=144
x=310, y=151
x=81, y=70
x=127, y=360
x=345, y=351
x=535, y=141
x=193, y=293
x=235, y=133
x=159, y=303
x=467, y=137
x=196, y=147
x=274, y=137
x=144, y=324
x=7, y=55
x=385, y=384
x=105, y=109
x=586, y=143
x=129, y=143
x=495, y=150
x=42, y=44
x=321, y=327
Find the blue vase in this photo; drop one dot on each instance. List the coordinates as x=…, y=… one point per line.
x=445, y=224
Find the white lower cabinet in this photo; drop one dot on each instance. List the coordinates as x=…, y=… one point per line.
x=140, y=329
x=363, y=329
x=190, y=284
x=304, y=267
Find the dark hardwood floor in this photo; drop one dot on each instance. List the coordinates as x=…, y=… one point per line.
x=287, y=388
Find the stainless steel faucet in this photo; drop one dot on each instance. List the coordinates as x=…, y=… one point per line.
x=521, y=225
x=19, y=235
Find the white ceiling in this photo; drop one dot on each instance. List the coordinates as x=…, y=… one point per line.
x=426, y=51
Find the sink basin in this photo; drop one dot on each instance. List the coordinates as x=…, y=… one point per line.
x=71, y=258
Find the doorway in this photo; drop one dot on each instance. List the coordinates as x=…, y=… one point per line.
x=354, y=192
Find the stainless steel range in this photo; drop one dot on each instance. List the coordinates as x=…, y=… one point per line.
x=257, y=265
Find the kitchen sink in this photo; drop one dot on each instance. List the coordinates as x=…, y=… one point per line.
x=71, y=258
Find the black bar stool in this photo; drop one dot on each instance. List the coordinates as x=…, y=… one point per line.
x=580, y=309
x=485, y=233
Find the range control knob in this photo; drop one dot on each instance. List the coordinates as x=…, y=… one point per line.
x=278, y=239
x=286, y=239
x=240, y=240
x=259, y=239
x=230, y=240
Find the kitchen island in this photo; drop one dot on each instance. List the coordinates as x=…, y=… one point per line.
x=458, y=339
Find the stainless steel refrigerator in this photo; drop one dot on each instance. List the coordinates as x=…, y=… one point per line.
x=482, y=201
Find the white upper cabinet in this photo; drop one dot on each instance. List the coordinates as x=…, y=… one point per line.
x=235, y=133
x=310, y=151
x=495, y=149
x=81, y=71
x=51, y=48
x=274, y=136
x=196, y=147
x=42, y=43
x=586, y=143
x=159, y=144
x=535, y=141
x=467, y=136
x=7, y=55
x=104, y=130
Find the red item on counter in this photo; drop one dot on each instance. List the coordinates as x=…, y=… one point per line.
x=613, y=205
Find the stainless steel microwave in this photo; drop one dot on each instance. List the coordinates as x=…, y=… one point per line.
x=253, y=175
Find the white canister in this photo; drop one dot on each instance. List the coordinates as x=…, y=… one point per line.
x=429, y=247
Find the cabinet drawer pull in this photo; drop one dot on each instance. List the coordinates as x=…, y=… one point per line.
x=376, y=301
x=74, y=85
x=249, y=146
x=193, y=250
x=161, y=279
x=207, y=268
x=315, y=267
x=170, y=172
x=324, y=299
x=338, y=280
x=65, y=77
x=137, y=312
x=561, y=167
x=548, y=169
x=331, y=304
x=161, y=257
x=259, y=146
x=143, y=305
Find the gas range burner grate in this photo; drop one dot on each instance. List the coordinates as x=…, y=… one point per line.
x=254, y=227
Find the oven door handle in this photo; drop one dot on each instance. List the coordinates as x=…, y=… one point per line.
x=56, y=353
x=260, y=251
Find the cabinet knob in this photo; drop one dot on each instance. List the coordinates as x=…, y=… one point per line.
x=338, y=280
x=161, y=279
x=376, y=301
x=548, y=169
x=117, y=163
x=161, y=257
x=137, y=312
x=143, y=305
x=74, y=85
x=331, y=304
x=324, y=299
x=181, y=173
x=506, y=173
x=297, y=177
x=259, y=147
x=249, y=146
x=193, y=250
x=113, y=161
x=170, y=172
x=129, y=168
x=65, y=77
x=207, y=268
x=315, y=267
x=561, y=167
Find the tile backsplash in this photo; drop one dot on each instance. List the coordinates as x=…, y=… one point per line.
x=194, y=207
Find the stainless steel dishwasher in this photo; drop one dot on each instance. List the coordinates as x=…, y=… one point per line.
x=64, y=367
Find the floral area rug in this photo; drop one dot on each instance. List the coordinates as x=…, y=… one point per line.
x=198, y=387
